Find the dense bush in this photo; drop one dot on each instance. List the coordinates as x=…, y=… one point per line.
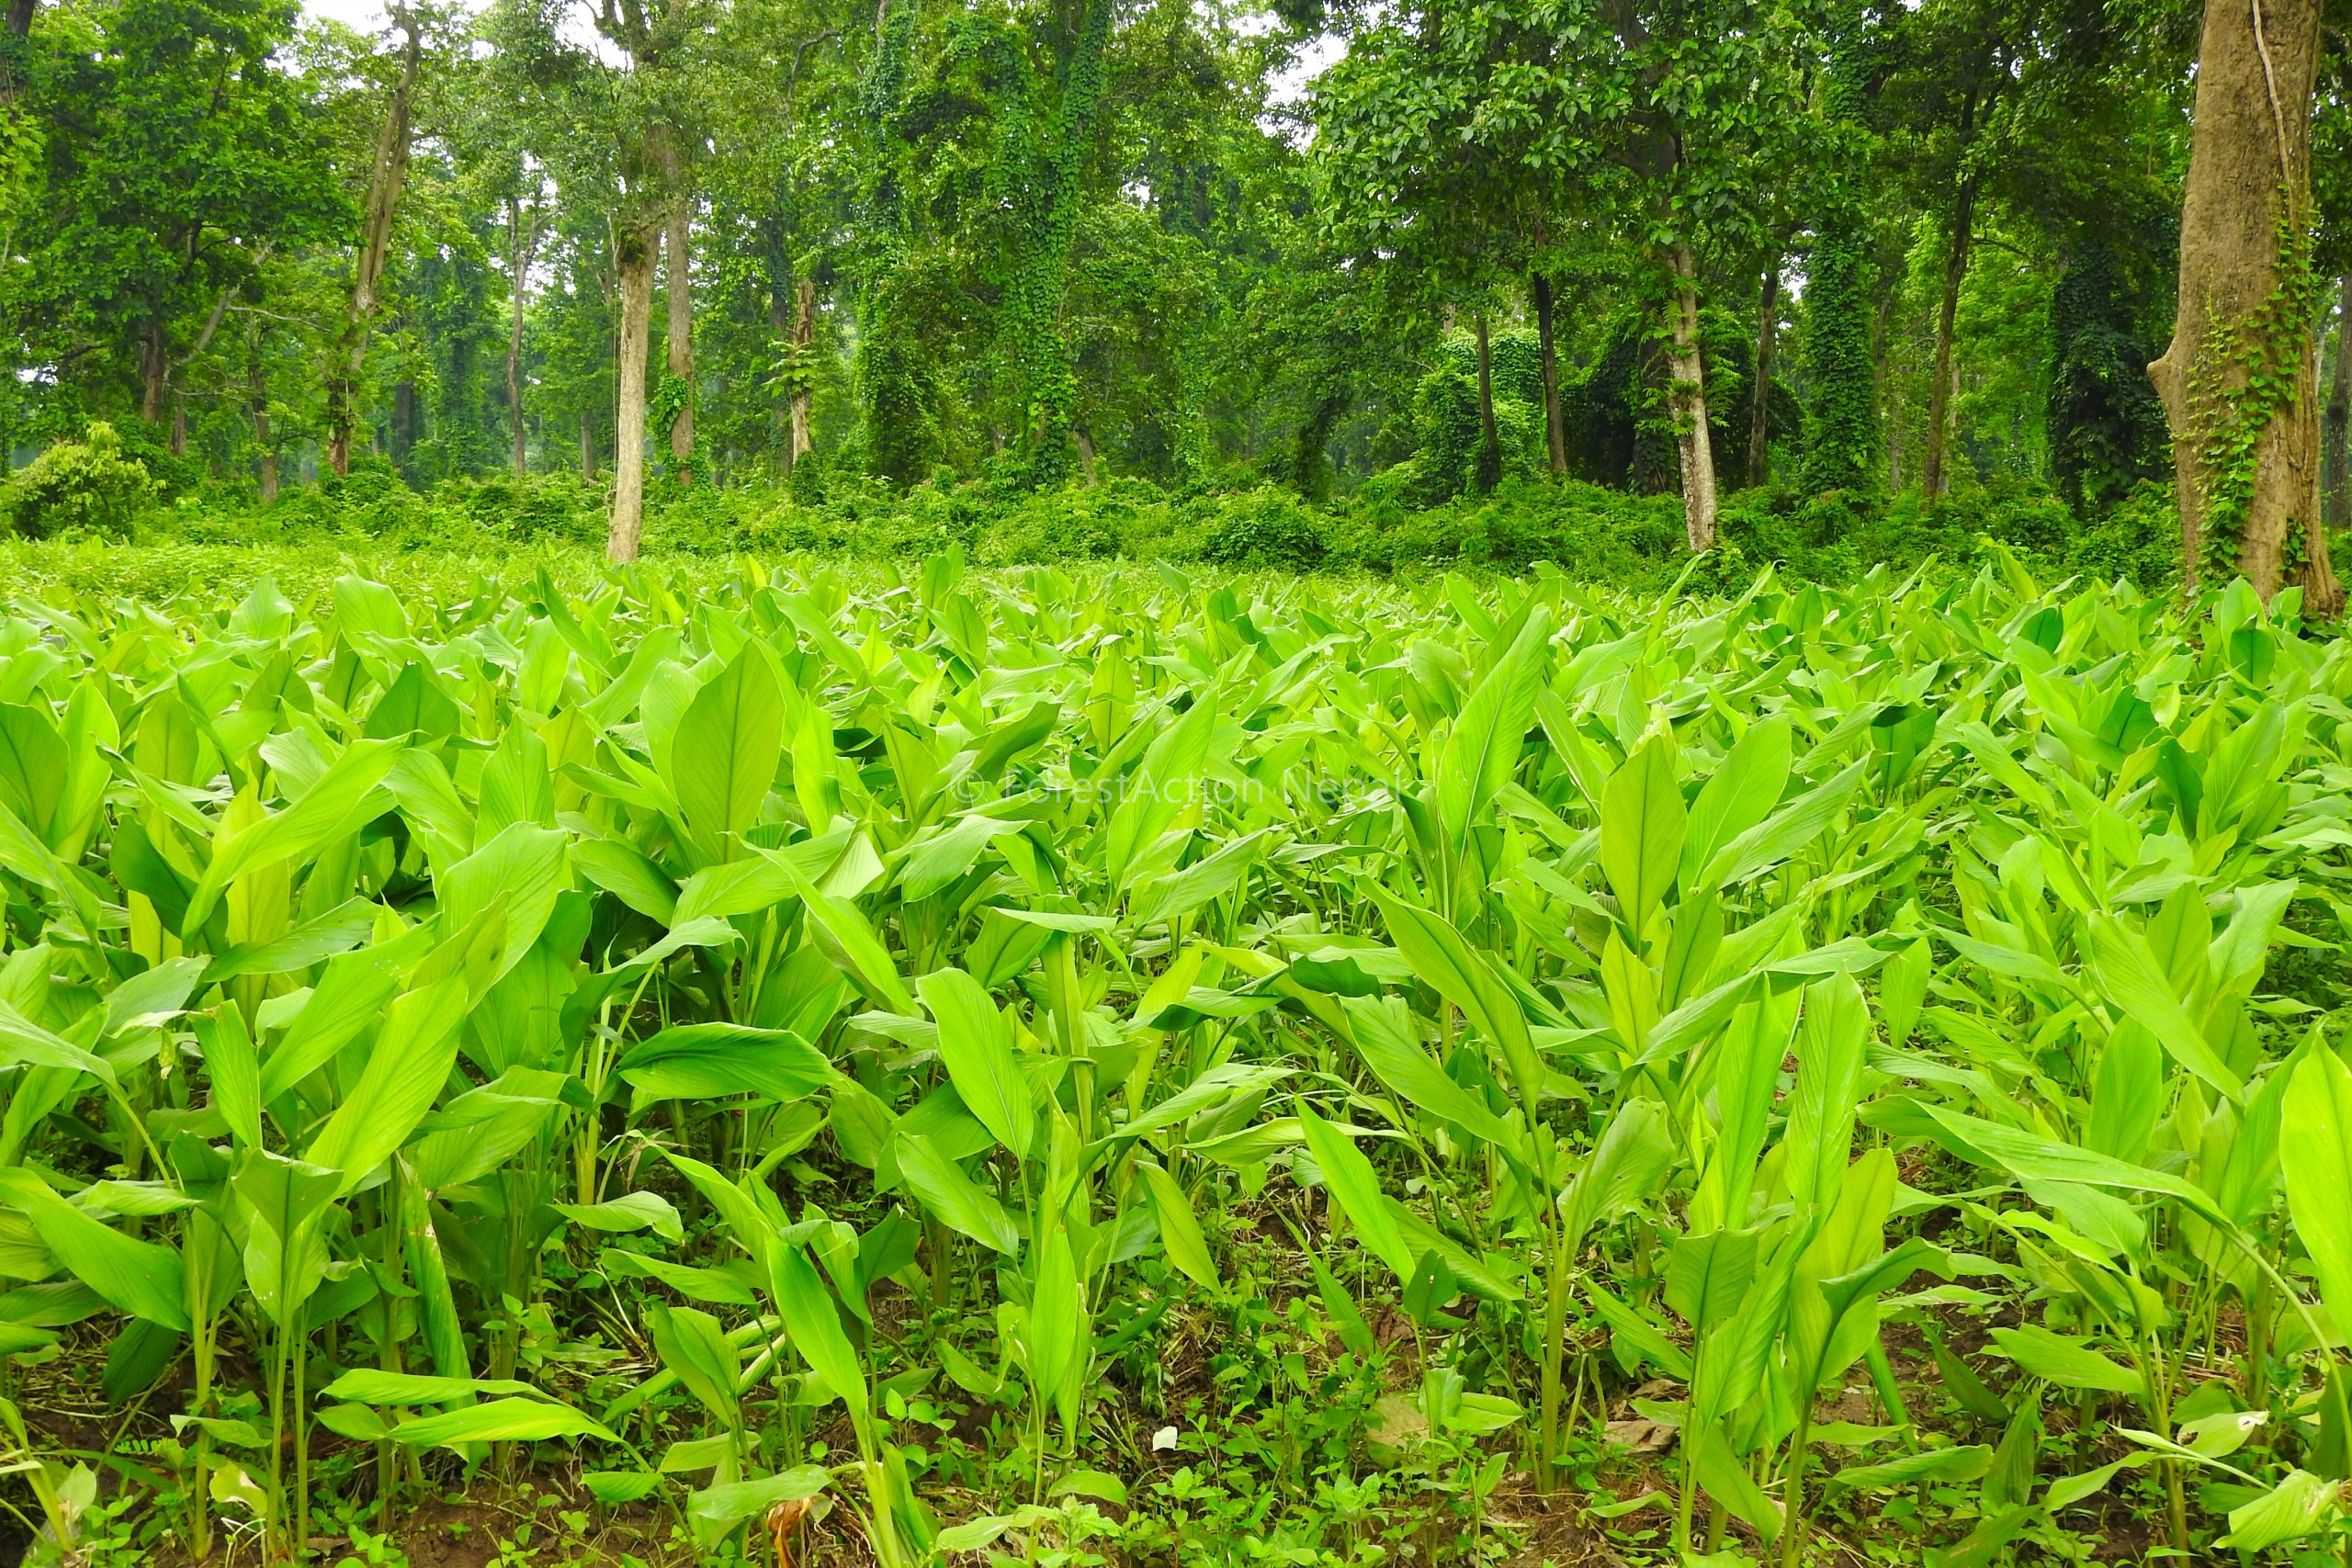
x=1405, y=519
x=89, y=484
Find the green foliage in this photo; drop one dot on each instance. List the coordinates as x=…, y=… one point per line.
x=2107, y=428
x=1268, y=528
x=86, y=484
x=1091, y=1059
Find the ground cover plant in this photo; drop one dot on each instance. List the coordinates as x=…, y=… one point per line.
x=693, y=1063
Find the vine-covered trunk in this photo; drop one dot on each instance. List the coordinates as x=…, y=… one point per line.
x=1759, y=400
x=1490, y=446
x=2239, y=383
x=1841, y=414
x=1556, y=427
x=1933, y=480
x=1047, y=199
x=804, y=331
x=677, y=297
x=1686, y=398
x=385, y=177
x=633, y=247
x=2335, y=428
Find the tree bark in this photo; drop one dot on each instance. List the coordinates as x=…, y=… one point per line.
x=524, y=244
x=633, y=248
x=2246, y=452
x=804, y=330
x=677, y=296
x=257, y=401
x=1490, y=446
x=1687, y=397
x=20, y=24
x=587, y=446
x=1933, y=480
x=2335, y=427
x=349, y=355
x=1759, y=400
x=1555, y=428
x=154, y=371
x=1085, y=439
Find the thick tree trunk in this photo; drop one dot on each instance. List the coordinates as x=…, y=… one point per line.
x=1555, y=428
x=804, y=330
x=1686, y=398
x=20, y=24
x=677, y=295
x=1490, y=446
x=1085, y=439
x=1933, y=480
x=1759, y=400
x=349, y=355
x=524, y=242
x=2245, y=450
x=633, y=261
x=2335, y=428
x=179, y=423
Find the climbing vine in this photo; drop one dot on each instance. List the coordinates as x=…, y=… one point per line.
x=2247, y=375
x=893, y=387
x=1842, y=414
x=1041, y=160
x=668, y=398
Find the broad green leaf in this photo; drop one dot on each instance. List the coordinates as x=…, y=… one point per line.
x=976, y=1047
x=724, y=753
x=1642, y=825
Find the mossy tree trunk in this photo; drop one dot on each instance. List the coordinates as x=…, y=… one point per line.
x=2239, y=381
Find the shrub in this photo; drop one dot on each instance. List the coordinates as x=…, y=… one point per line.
x=1266, y=528
x=88, y=483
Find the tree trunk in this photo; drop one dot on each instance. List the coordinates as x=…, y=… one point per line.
x=1933, y=480
x=179, y=423
x=1490, y=446
x=633, y=249
x=1686, y=398
x=154, y=371
x=2335, y=428
x=677, y=295
x=20, y=24
x=408, y=424
x=1759, y=401
x=1555, y=428
x=349, y=355
x=780, y=323
x=1085, y=439
x=587, y=446
x=257, y=403
x=524, y=242
x=2245, y=446
x=804, y=329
